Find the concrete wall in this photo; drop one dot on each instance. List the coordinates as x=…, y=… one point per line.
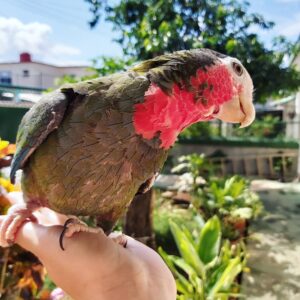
x=230, y=151
x=261, y=162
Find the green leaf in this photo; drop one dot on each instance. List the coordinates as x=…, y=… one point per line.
x=228, y=184
x=168, y=260
x=189, y=235
x=184, y=266
x=194, y=279
x=230, y=45
x=199, y=221
x=228, y=276
x=230, y=295
x=187, y=250
x=210, y=240
x=199, y=287
x=182, y=283
x=226, y=251
x=216, y=274
x=183, y=289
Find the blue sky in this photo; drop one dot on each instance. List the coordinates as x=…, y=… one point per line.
x=56, y=31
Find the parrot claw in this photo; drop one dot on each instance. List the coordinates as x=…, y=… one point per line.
x=73, y=225
x=65, y=227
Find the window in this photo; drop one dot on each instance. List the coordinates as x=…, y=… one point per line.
x=5, y=77
x=25, y=73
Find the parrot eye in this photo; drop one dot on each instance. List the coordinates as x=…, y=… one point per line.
x=237, y=68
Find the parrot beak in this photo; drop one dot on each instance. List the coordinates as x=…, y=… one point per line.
x=247, y=106
x=238, y=110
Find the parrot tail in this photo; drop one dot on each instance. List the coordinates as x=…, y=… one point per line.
x=17, y=162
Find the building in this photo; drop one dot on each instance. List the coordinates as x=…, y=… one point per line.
x=33, y=74
x=22, y=84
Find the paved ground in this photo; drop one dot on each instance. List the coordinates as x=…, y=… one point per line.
x=275, y=245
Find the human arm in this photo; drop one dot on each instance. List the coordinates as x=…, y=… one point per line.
x=95, y=267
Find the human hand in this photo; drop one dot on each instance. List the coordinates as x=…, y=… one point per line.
x=93, y=266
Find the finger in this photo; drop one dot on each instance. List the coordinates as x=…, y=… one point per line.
x=44, y=215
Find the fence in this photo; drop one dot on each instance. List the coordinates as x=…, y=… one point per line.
x=260, y=158
x=281, y=166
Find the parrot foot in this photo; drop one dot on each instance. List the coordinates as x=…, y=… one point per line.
x=72, y=226
x=16, y=216
x=119, y=238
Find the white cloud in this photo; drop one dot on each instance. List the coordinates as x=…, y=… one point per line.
x=16, y=37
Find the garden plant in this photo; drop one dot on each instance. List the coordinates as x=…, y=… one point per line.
x=211, y=251
x=207, y=267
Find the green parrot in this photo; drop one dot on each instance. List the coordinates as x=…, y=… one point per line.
x=88, y=148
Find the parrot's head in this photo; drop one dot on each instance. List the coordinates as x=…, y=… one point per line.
x=192, y=86
x=237, y=106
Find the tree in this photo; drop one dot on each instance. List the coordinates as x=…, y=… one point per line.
x=138, y=219
x=151, y=27
x=104, y=65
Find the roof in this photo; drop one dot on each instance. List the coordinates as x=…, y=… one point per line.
x=16, y=104
x=41, y=63
x=283, y=101
x=19, y=87
x=274, y=105
x=20, y=95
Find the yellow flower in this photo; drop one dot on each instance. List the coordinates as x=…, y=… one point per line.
x=7, y=185
x=3, y=144
x=6, y=148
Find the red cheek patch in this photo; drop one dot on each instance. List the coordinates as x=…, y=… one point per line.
x=170, y=114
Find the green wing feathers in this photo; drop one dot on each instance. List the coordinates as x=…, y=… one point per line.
x=36, y=125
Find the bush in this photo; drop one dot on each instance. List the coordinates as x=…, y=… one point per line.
x=268, y=126
x=229, y=198
x=207, y=268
